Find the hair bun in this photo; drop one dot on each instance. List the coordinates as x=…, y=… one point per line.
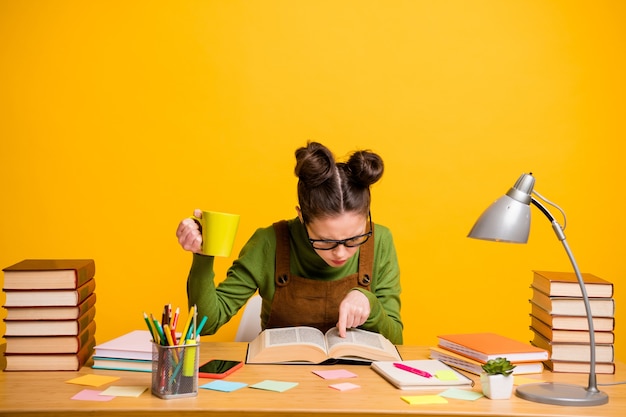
x=365, y=168
x=315, y=164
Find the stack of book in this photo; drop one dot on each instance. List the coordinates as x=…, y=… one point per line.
x=50, y=306
x=469, y=351
x=559, y=322
x=129, y=352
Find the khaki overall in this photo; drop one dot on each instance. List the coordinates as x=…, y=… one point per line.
x=302, y=301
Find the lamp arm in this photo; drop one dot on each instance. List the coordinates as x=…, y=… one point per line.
x=592, y=386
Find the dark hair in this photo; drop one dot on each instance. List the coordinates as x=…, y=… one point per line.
x=327, y=188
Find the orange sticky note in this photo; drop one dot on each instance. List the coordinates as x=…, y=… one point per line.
x=93, y=380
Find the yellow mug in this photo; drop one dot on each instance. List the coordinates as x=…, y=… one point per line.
x=218, y=232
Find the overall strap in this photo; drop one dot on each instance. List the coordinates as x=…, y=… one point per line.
x=366, y=262
x=282, y=263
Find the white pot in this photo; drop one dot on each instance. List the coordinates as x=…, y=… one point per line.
x=497, y=387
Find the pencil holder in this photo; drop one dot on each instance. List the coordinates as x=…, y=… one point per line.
x=175, y=370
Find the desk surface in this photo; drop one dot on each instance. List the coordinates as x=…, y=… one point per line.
x=46, y=393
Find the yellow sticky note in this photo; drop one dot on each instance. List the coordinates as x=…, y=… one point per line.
x=520, y=380
x=127, y=391
x=93, y=380
x=424, y=399
x=446, y=375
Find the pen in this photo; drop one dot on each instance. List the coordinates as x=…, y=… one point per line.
x=412, y=370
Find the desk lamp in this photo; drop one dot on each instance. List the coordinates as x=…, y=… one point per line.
x=508, y=220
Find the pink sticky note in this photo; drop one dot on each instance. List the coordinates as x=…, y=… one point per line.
x=345, y=386
x=91, y=395
x=335, y=374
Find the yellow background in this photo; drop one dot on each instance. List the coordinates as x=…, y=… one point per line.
x=118, y=118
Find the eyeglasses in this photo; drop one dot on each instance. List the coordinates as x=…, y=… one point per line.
x=351, y=242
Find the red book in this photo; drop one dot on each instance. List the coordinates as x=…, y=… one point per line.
x=50, y=327
x=50, y=361
x=42, y=298
x=50, y=344
x=52, y=274
x=51, y=312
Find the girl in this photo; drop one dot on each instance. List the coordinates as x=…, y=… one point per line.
x=329, y=266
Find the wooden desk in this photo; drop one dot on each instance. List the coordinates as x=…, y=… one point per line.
x=28, y=394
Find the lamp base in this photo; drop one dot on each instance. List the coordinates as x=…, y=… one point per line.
x=561, y=394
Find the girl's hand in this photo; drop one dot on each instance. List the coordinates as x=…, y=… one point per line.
x=188, y=233
x=353, y=311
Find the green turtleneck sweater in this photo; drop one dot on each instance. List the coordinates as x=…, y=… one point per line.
x=254, y=269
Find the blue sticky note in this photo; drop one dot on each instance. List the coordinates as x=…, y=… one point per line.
x=224, y=386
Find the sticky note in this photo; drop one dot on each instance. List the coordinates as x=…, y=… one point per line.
x=424, y=399
x=446, y=375
x=128, y=391
x=93, y=380
x=520, y=380
x=277, y=386
x=224, y=386
x=461, y=394
x=335, y=374
x=345, y=386
x=91, y=395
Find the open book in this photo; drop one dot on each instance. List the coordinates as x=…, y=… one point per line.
x=310, y=345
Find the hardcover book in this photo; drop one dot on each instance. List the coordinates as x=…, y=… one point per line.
x=574, y=306
x=40, y=298
x=568, y=336
x=580, y=367
x=51, y=312
x=600, y=324
x=565, y=284
x=50, y=327
x=574, y=352
x=32, y=274
x=49, y=362
x=471, y=365
x=51, y=344
x=486, y=346
x=309, y=345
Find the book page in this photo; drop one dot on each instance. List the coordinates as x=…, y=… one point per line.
x=357, y=336
x=289, y=344
x=295, y=335
x=360, y=343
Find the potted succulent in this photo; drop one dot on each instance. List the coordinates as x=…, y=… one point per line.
x=496, y=379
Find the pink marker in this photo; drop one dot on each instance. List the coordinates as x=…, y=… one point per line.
x=412, y=370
